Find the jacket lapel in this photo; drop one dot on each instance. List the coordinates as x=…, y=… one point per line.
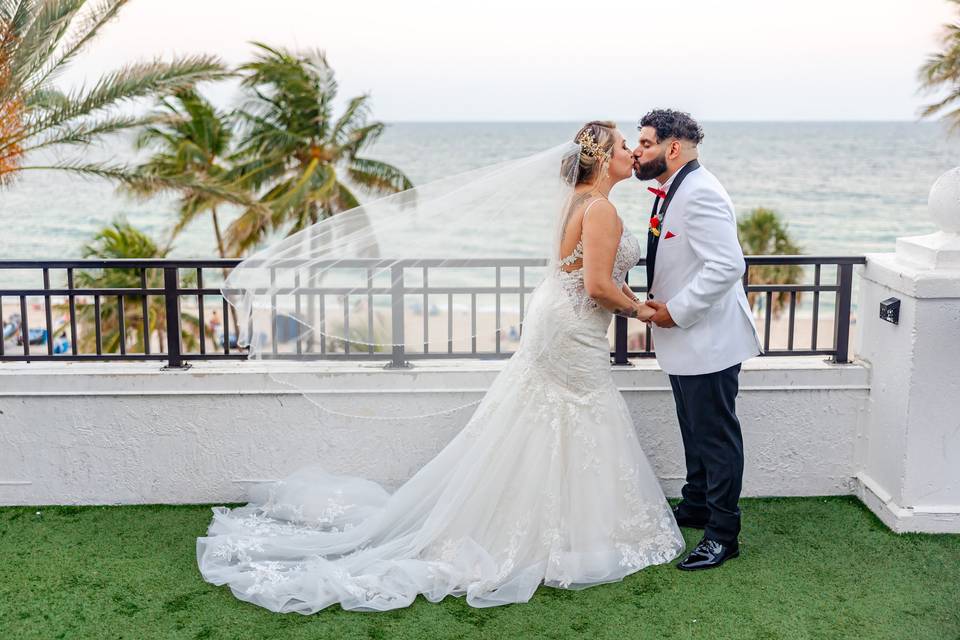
x=653, y=241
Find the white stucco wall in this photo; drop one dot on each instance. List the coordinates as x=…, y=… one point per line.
x=83, y=433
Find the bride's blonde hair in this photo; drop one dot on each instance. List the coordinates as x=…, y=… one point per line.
x=596, y=142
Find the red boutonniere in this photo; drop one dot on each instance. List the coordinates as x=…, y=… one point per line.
x=660, y=193
x=655, y=226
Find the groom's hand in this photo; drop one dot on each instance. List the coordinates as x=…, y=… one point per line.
x=662, y=316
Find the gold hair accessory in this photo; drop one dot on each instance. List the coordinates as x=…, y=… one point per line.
x=587, y=143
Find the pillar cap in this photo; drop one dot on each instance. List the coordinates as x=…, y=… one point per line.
x=944, y=201
x=940, y=250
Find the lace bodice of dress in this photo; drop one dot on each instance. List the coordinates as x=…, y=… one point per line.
x=628, y=255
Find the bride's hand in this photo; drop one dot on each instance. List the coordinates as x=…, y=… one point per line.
x=645, y=312
x=638, y=310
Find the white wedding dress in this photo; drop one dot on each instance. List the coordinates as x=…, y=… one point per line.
x=546, y=484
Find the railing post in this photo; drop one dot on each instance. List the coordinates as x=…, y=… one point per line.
x=397, y=310
x=620, y=342
x=842, y=317
x=171, y=300
x=620, y=339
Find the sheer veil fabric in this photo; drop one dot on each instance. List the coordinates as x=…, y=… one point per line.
x=440, y=224
x=546, y=484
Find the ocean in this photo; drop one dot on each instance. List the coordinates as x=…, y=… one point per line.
x=842, y=188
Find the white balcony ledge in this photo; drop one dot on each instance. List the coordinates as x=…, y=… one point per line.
x=108, y=433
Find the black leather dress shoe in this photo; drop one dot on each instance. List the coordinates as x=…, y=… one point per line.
x=687, y=521
x=708, y=555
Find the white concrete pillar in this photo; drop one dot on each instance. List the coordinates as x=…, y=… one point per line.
x=909, y=441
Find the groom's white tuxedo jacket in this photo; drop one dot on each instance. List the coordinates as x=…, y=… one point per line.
x=698, y=271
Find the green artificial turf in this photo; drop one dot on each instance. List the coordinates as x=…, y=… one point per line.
x=810, y=568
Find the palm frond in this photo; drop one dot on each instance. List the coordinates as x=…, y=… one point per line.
x=934, y=108
x=37, y=42
x=86, y=169
x=293, y=194
x=155, y=136
x=358, y=139
x=344, y=198
x=256, y=171
x=191, y=206
x=942, y=71
x=87, y=29
x=135, y=81
x=940, y=68
x=84, y=132
x=247, y=230
x=378, y=177
x=953, y=117
x=353, y=117
x=15, y=16
x=154, y=184
x=215, y=189
x=46, y=98
x=262, y=135
x=120, y=239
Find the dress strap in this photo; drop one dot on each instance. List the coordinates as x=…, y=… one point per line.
x=595, y=201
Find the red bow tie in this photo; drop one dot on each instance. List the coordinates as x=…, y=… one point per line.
x=660, y=193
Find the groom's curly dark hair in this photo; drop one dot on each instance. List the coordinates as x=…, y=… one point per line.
x=673, y=124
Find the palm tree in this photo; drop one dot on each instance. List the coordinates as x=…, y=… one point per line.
x=38, y=41
x=762, y=233
x=942, y=71
x=190, y=137
x=296, y=153
x=122, y=240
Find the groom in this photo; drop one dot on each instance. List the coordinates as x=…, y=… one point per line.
x=703, y=328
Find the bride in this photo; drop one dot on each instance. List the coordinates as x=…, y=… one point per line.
x=546, y=484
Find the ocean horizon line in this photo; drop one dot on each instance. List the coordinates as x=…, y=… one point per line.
x=705, y=121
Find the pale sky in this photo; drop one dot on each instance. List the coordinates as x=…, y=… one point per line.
x=516, y=60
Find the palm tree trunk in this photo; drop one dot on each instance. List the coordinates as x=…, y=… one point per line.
x=216, y=232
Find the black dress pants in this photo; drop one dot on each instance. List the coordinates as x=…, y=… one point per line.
x=713, y=448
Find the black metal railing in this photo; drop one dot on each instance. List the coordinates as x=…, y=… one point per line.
x=148, y=306
x=840, y=286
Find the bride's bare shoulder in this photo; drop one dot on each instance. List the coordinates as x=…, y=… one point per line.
x=600, y=214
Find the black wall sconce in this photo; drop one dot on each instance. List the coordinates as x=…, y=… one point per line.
x=890, y=310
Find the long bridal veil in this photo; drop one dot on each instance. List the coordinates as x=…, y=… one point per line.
x=447, y=267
